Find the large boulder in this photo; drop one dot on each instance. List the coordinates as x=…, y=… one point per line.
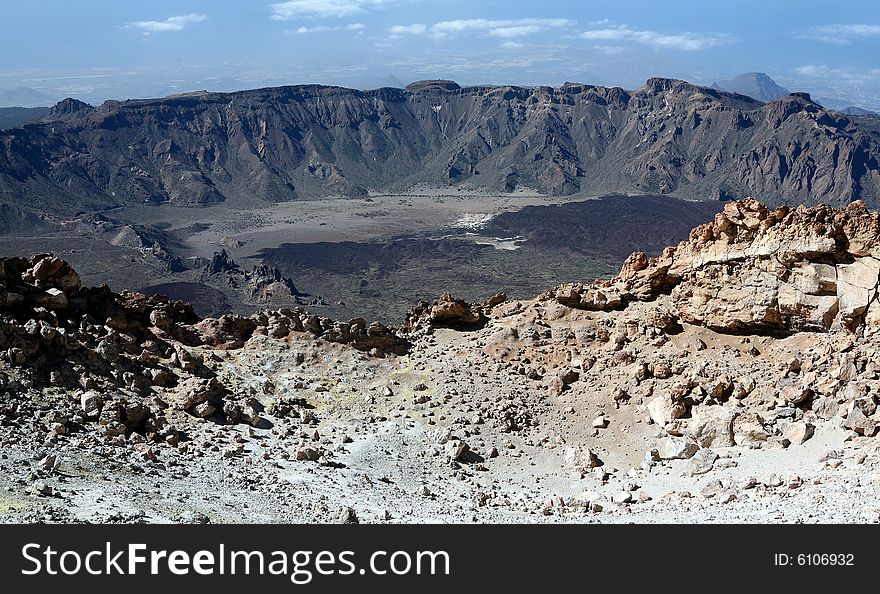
x=664, y=408
x=49, y=272
x=857, y=286
x=712, y=426
x=195, y=391
x=749, y=431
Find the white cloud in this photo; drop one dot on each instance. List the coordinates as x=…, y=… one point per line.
x=326, y=29
x=175, y=23
x=842, y=34
x=681, y=41
x=510, y=32
x=414, y=29
x=502, y=28
x=294, y=9
x=512, y=45
x=491, y=26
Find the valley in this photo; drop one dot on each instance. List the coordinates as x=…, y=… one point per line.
x=370, y=257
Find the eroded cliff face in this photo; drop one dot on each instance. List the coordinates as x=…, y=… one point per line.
x=756, y=269
x=297, y=142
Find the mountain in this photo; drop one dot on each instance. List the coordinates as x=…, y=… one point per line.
x=856, y=111
x=756, y=85
x=842, y=106
x=286, y=143
x=23, y=97
x=11, y=117
x=389, y=80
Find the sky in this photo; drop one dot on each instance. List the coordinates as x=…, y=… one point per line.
x=106, y=49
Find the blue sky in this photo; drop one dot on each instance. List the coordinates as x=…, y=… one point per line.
x=99, y=49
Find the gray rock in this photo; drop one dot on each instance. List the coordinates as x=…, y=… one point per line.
x=677, y=448
x=702, y=462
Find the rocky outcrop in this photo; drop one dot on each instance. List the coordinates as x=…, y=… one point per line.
x=232, y=331
x=263, y=284
x=276, y=144
x=450, y=312
x=757, y=270
x=126, y=350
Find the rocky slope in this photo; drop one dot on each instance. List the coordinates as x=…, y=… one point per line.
x=734, y=378
x=296, y=142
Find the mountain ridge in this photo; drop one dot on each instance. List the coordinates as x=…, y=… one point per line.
x=295, y=142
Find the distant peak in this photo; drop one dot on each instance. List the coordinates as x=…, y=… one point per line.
x=68, y=106
x=763, y=76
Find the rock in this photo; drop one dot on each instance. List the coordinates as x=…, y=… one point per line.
x=347, y=515
x=662, y=370
x=569, y=376
x=677, y=448
x=775, y=481
x=229, y=331
x=581, y=458
x=794, y=481
x=712, y=425
x=857, y=286
x=743, y=386
x=49, y=271
x=203, y=410
x=43, y=489
x=115, y=428
x=107, y=350
x=91, y=402
x=748, y=431
x=49, y=462
x=702, y=462
x=798, y=432
x=456, y=450
x=307, y=455
x=858, y=422
x=195, y=390
x=53, y=299
x=184, y=359
x=866, y=404
x=727, y=496
x=622, y=497
x=825, y=408
x=600, y=422
x=795, y=394
x=446, y=312
x=664, y=409
x=712, y=489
